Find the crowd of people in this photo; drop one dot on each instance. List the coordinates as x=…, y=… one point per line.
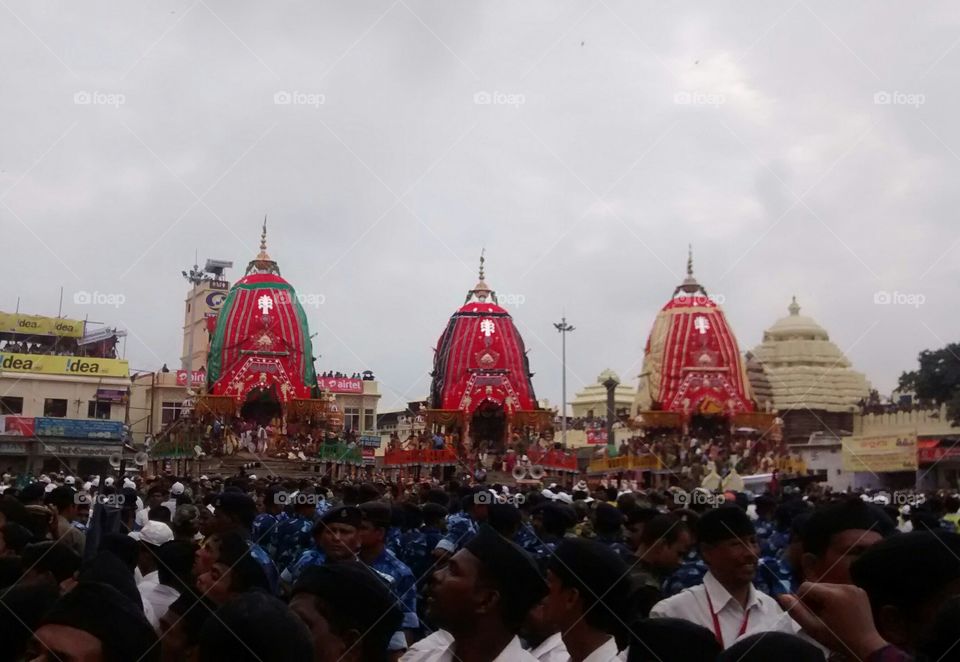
x=266, y=568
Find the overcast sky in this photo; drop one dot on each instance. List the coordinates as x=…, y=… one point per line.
x=803, y=148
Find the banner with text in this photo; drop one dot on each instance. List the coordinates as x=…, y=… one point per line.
x=63, y=365
x=881, y=453
x=199, y=377
x=340, y=384
x=78, y=428
x=36, y=325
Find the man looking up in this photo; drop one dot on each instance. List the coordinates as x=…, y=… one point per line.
x=480, y=599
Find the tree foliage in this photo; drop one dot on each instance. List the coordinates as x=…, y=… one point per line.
x=937, y=380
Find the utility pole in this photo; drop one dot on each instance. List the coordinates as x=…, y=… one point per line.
x=564, y=329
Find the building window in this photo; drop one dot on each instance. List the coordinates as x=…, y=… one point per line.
x=98, y=409
x=369, y=420
x=11, y=406
x=351, y=418
x=169, y=412
x=55, y=407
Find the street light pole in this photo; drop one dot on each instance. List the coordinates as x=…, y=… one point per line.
x=564, y=329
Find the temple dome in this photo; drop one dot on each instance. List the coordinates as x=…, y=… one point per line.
x=805, y=369
x=481, y=358
x=692, y=362
x=261, y=341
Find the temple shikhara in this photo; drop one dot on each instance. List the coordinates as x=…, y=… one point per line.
x=262, y=392
x=692, y=365
x=260, y=354
x=694, y=415
x=482, y=410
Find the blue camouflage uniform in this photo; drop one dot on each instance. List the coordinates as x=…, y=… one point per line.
x=690, y=573
x=461, y=528
x=260, y=555
x=323, y=506
x=264, y=526
x=526, y=537
x=403, y=586
x=774, y=576
x=292, y=537
x=775, y=543
x=616, y=544
x=307, y=559
x=393, y=539
x=764, y=528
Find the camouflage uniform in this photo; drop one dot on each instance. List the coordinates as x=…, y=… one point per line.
x=269, y=568
x=526, y=537
x=292, y=537
x=403, y=586
x=393, y=540
x=461, y=528
x=774, y=577
x=264, y=528
x=690, y=573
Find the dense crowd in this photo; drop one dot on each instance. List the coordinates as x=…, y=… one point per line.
x=266, y=568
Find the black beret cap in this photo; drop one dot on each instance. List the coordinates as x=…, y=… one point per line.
x=356, y=592
x=521, y=583
x=724, y=523
x=377, y=513
x=596, y=570
x=349, y=515
x=234, y=501
x=104, y=612
x=907, y=569
x=608, y=517
x=433, y=511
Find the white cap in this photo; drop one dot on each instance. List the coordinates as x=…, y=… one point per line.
x=50, y=487
x=96, y=481
x=153, y=533
x=69, y=480
x=204, y=478
x=127, y=483
x=87, y=486
x=44, y=478
x=108, y=481
x=176, y=489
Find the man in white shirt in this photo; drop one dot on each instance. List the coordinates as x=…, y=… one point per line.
x=149, y=539
x=480, y=599
x=171, y=578
x=543, y=639
x=588, y=598
x=726, y=603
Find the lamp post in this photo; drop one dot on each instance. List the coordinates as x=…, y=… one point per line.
x=564, y=329
x=611, y=383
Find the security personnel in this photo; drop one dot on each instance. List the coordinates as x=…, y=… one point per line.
x=376, y=518
x=293, y=536
x=336, y=538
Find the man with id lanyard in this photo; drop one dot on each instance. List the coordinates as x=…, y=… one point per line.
x=726, y=603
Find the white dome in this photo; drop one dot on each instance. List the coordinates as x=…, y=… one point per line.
x=805, y=369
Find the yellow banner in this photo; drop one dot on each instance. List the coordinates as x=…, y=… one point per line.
x=40, y=326
x=625, y=463
x=63, y=365
x=881, y=453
